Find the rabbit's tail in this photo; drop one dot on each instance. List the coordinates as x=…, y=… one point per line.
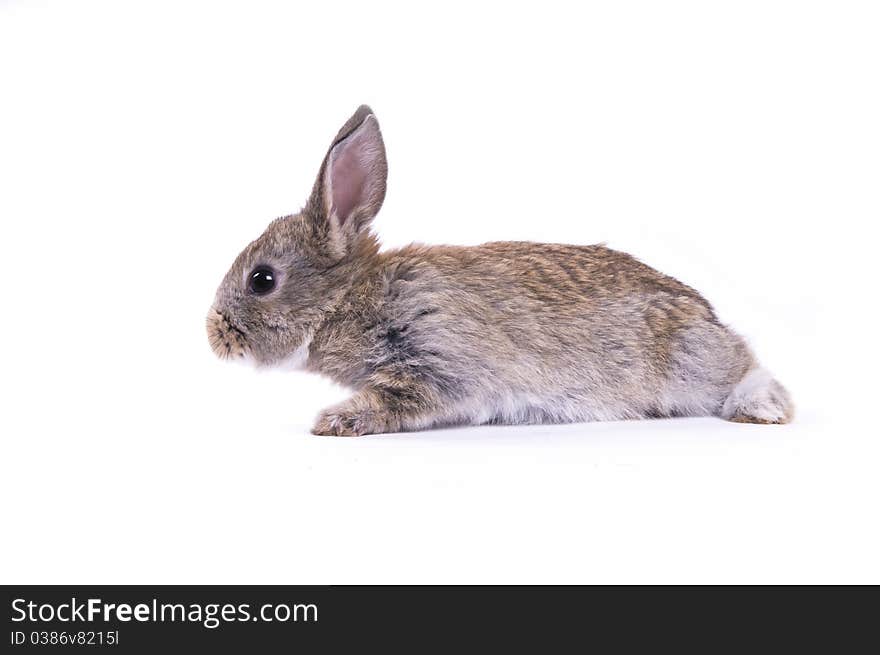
x=758, y=398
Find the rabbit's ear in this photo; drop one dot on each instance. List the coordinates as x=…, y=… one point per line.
x=351, y=185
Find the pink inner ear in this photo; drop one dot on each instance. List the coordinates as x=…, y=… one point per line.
x=348, y=176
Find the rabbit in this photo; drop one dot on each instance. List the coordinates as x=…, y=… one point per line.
x=501, y=333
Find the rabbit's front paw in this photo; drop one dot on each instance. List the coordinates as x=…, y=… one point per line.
x=346, y=422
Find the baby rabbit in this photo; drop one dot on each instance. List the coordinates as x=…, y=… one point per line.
x=506, y=332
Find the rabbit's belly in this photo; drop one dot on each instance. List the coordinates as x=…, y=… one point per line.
x=533, y=408
x=702, y=367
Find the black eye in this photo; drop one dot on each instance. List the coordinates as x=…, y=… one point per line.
x=261, y=280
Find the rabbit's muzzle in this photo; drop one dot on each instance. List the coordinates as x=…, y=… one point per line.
x=226, y=340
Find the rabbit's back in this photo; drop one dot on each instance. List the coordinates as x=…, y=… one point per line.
x=558, y=275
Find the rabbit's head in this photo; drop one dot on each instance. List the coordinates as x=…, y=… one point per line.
x=281, y=285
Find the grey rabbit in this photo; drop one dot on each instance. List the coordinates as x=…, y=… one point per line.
x=502, y=333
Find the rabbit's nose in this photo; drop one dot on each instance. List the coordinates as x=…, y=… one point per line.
x=226, y=340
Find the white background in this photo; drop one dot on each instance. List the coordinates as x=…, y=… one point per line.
x=142, y=145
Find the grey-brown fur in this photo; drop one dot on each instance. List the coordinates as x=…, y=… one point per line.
x=506, y=332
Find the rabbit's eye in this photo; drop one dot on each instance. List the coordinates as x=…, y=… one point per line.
x=261, y=280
